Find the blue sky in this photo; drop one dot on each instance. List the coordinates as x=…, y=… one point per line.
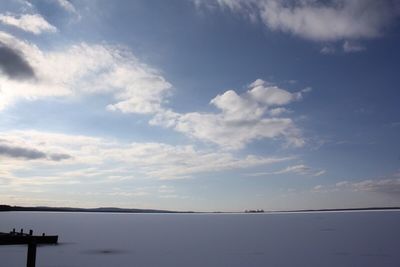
x=200, y=105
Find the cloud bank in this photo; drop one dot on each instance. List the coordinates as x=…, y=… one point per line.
x=78, y=70
x=112, y=160
x=87, y=69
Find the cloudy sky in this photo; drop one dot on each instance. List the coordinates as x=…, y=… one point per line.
x=200, y=105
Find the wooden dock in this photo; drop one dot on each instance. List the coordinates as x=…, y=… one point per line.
x=21, y=238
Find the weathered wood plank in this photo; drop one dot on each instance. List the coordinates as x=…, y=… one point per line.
x=15, y=239
x=20, y=238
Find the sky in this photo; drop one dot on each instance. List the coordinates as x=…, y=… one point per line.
x=201, y=105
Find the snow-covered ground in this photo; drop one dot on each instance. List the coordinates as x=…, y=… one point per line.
x=336, y=239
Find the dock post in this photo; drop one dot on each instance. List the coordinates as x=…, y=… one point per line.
x=31, y=259
x=21, y=238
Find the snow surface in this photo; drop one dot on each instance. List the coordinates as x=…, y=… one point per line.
x=207, y=240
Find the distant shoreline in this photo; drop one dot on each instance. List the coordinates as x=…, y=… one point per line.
x=344, y=209
x=69, y=209
x=4, y=208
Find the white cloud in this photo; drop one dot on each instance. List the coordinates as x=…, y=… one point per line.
x=299, y=169
x=320, y=20
x=242, y=118
x=333, y=21
x=166, y=189
x=319, y=173
x=85, y=69
x=327, y=50
x=350, y=47
x=275, y=112
x=318, y=188
x=33, y=23
x=95, y=160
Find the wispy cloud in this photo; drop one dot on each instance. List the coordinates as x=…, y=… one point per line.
x=395, y=124
x=328, y=50
x=100, y=159
x=33, y=23
x=299, y=169
x=386, y=185
x=351, y=47
x=68, y=6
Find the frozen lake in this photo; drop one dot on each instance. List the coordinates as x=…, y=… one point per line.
x=209, y=240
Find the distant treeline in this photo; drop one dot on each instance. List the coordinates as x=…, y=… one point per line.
x=68, y=209
x=119, y=210
x=254, y=211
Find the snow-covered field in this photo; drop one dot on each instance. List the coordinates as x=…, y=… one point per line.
x=206, y=240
